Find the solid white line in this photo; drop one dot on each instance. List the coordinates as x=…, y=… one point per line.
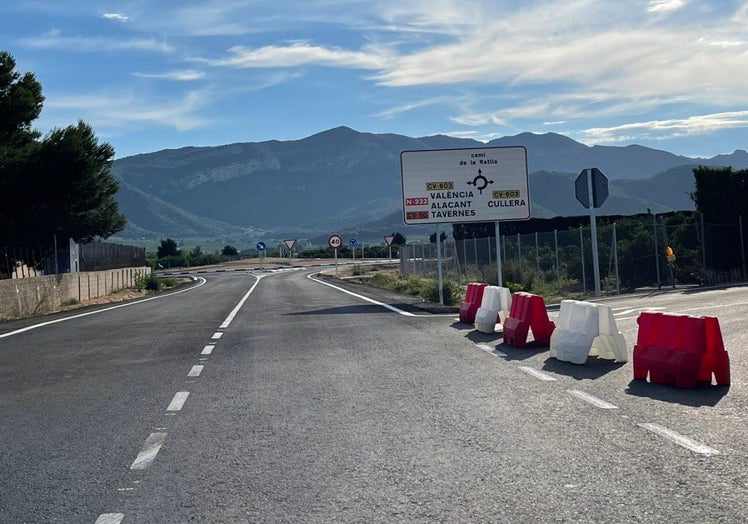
x=42, y=324
x=679, y=439
x=150, y=449
x=537, y=374
x=195, y=371
x=110, y=518
x=491, y=350
x=207, y=350
x=177, y=403
x=598, y=402
x=233, y=313
x=367, y=299
x=216, y=335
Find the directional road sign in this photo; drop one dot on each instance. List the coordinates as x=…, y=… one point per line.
x=599, y=188
x=352, y=242
x=483, y=184
x=260, y=246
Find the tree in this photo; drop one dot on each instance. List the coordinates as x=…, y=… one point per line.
x=398, y=239
x=229, y=251
x=168, y=248
x=58, y=186
x=432, y=238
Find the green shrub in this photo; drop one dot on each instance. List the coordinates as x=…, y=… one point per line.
x=148, y=282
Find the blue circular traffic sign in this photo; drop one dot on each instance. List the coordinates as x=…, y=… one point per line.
x=260, y=246
x=352, y=242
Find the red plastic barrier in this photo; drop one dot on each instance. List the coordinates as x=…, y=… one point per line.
x=680, y=349
x=473, y=298
x=527, y=313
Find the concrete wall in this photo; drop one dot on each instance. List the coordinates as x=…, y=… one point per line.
x=25, y=297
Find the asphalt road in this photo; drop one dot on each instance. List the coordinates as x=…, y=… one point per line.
x=282, y=399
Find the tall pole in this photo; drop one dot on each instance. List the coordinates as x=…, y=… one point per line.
x=537, y=254
x=581, y=251
x=615, y=257
x=593, y=232
x=657, y=251
x=742, y=245
x=439, y=262
x=498, y=253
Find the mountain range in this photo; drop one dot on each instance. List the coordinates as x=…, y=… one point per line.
x=342, y=180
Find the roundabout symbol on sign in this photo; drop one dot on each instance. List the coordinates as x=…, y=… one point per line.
x=480, y=182
x=335, y=241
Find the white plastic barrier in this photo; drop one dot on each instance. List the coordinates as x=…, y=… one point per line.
x=583, y=329
x=506, y=303
x=488, y=312
x=577, y=327
x=609, y=344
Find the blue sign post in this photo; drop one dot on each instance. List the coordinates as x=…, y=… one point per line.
x=352, y=242
x=260, y=252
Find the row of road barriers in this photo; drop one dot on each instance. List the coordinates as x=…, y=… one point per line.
x=682, y=350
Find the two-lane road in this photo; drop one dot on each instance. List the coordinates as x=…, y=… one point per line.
x=286, y=400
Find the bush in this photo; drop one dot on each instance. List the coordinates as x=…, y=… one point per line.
x=147, y=282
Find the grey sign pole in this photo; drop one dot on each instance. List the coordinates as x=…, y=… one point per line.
x=498, y=253
x=439, y=262
x=593, y=232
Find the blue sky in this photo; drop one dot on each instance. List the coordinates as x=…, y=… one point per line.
x=157, y=74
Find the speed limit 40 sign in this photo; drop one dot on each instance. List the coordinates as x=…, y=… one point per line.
x=335, y=241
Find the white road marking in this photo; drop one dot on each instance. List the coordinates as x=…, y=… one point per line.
x=150, y=449
x=110, y=518
x=367, y=299
x=491, y=350
x=50, y=322
x=679, y=439
x=177, y=403
x=233, y=313
x=537, y=374
x=216, y=335
x=598, y=402
x=207, y=350
x=195, y=371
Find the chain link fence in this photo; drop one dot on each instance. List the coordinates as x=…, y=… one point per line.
x=631, y=254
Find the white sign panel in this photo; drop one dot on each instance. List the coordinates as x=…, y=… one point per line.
x=484, y=184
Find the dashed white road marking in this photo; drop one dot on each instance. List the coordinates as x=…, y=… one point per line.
x=110, y=518
x=679, y=439
x=150, y=449
x=233, y=313
x=207, y=350
x=598, y=402
x=537, y=374
x=195, y=371
x=177, y=403
x=491, y=350
x=216, y=335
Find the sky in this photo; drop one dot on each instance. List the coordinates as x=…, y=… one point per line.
x=163, y=74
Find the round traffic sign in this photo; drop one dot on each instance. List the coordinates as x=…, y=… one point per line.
x=260, y=246
x=335, y=241
x=352, y=242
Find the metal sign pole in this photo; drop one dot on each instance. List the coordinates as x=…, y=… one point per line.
x=498, y=254
x=593, y=231
x=336, y=262
x=439, y=263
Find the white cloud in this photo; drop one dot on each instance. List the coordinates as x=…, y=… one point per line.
x=297, y=54
x=665, y=6
x=670, y=128
x=122, y=110
x=55, y=40
x=116, y=16
x=182, y=75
